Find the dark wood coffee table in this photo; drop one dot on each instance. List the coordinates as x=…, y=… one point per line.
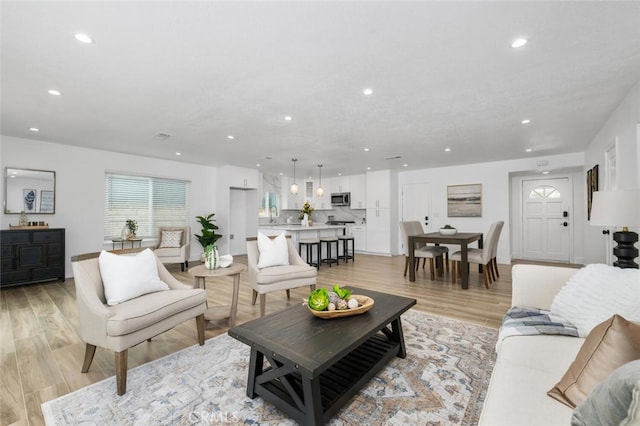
x=317, y=365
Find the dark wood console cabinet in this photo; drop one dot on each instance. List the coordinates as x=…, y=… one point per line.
x=31, y=256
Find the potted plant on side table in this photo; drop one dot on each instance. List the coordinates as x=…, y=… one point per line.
x=208, y=240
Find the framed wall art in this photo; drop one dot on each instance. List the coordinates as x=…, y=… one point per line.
x=464, y=200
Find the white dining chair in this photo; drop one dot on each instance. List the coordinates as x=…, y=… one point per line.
x=409, y=228
x=483, y=256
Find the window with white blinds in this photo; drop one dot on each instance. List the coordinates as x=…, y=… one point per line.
x=152, y=202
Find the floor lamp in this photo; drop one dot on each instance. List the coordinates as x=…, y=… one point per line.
x=619, y=208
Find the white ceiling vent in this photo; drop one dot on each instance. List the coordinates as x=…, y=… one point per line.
x=162, y=136
x=393, y=157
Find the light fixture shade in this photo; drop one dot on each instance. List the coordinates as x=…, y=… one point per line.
x=616, y=208
x=294, y=188
x=320, y=191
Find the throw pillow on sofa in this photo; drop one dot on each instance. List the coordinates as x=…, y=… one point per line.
x=126, y=277
x=612, y=401
x=610, y=345
x=595, y=293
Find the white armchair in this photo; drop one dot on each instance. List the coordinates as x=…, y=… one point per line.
x=284, y=277
x=173, y=245
x=121, y=326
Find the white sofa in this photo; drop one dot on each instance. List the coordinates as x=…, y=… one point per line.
x=529, y=366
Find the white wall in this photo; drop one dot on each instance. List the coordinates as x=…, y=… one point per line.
x=495, y=180
x=622, y=126
x=80, y=188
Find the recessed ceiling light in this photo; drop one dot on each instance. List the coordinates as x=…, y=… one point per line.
x=368, y=91
x=546, y=172
x=34, y=129
x=230, y=137
x=405, y=165
x=339, y=174
x=287, y=118
x=368, y=168
x=447, y=150
x=178, y=153
x=526, y=121
x=83, y=38
x=55, y=92
x=528, y=150
x=281, y=174
x=519, y=42
x=366, y=149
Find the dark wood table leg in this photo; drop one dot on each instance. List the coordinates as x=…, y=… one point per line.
x=412, y=259
x=480, y=245
x=312, y=401
x=255, y=369
x=396, y=326
x=464, y=266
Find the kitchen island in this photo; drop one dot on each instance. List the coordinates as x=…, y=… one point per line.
x=299, y=232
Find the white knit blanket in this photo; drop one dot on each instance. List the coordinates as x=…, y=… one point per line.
x=597, y=292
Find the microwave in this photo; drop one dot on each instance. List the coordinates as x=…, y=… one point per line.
x=341, y=199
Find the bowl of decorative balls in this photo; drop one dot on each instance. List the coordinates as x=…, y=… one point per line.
x=337, y=303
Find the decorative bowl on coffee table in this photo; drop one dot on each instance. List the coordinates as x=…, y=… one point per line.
x=364, y=304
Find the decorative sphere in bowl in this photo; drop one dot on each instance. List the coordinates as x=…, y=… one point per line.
x=448, y=231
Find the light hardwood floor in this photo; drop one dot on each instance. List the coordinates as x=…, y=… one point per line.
x=42, y=353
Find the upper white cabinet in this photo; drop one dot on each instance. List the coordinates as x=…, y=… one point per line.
x=240, y=177
x=379, y=189
x=358, y=185
x=341, y=184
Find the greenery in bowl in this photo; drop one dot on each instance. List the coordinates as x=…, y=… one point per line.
x=447, y=227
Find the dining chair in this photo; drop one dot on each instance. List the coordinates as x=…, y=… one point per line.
x=409, y=228
x=483, y=256
x=416, y=229
x=494, y=250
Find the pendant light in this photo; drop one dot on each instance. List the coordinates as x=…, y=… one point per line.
x=294, y=185
x=320, y=190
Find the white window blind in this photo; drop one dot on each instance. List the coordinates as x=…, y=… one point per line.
x=152, y=202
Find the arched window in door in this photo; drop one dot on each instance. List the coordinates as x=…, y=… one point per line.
x=544, y=191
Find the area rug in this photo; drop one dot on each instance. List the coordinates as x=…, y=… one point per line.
x=442, y=381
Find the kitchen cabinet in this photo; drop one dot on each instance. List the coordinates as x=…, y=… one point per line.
x=359, y=233
x=379, y=231
x=31, y=256
x=341, y=184
x=379, y=189
x=382, y=212
x=241, y=177
x=358, y=185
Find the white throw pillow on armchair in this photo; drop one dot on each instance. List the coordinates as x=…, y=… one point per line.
x=126, y=277
x=273, y=252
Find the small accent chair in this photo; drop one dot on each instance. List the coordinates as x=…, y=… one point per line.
x=122, y=326
x=273, y=278
x=494, y=250
x=425, y=252
x=483, y=256
x=172, y=250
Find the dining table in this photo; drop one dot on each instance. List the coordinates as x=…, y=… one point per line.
x=463, y=239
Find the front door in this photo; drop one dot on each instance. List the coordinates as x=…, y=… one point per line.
x=546, y=207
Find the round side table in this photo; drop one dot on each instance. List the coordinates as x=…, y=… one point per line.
x=200, y=273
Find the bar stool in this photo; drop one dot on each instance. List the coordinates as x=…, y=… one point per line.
x=328, y=241
x=309, y=243
x=345, y=247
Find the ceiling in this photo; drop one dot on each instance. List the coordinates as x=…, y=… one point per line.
x=443, y=74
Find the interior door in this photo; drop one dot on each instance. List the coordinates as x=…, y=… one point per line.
x=546, y=208
x=416, y=203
